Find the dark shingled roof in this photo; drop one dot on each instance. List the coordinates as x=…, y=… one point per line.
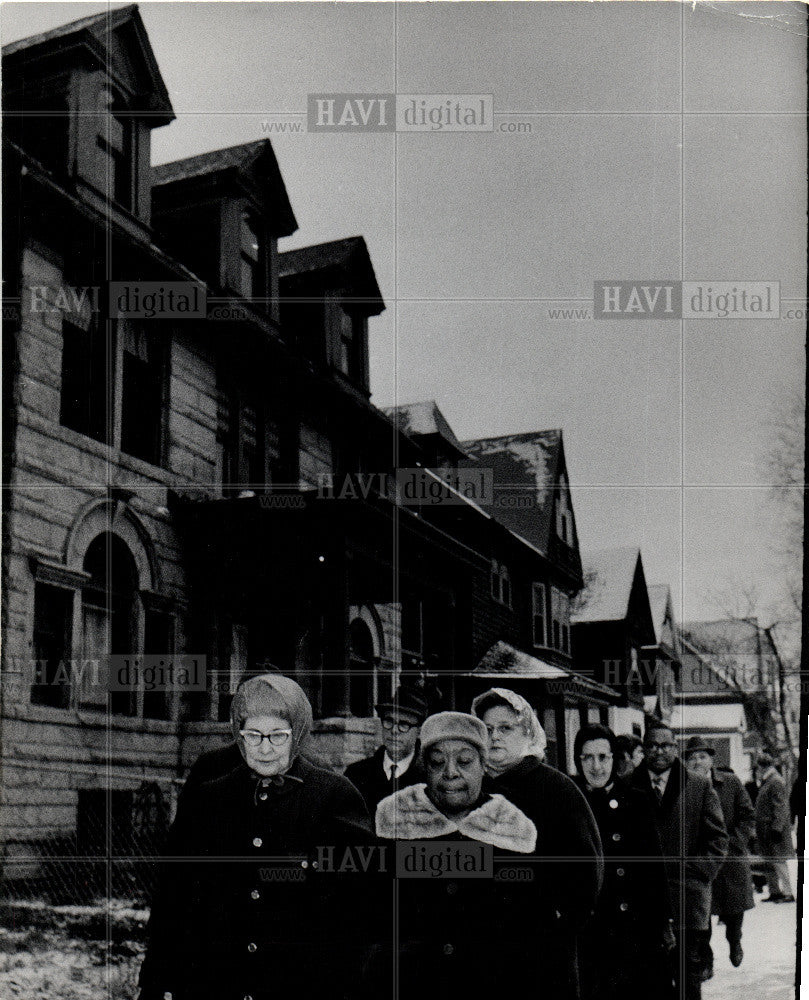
x=424, y=419
x=523, y=465
x=94, y=32
x=237, y=158
x=347, y=257
x=207, y=163
x=106, y=19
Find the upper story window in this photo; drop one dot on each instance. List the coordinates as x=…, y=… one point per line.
x=564, y=513
x=560, y=621
x=248, y=436
x=103, y=362
x=539, y=614
x=85, y=394
x=349, y=343
x=252, y=259
x=143, y=356
x=116, y=139
x=501, y=583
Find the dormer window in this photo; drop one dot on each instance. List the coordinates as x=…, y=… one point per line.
x=350, y=342
x=252, y=277
x=116, y=141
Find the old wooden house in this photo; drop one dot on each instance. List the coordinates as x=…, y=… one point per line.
x=211, y=488
x=613, y=632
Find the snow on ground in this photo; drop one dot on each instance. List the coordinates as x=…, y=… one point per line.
x=768, y=969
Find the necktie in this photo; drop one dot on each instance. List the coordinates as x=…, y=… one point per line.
x=392, y=771
x=658, y=785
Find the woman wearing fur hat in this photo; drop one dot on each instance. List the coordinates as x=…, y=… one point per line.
x=471, y=937
x=566, y=829
x=624, y=950
x=252, y=917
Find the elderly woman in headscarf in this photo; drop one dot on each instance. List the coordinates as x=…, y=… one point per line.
x=566, y=829
x=242, y=909
x=624, y=949
x=463, y=929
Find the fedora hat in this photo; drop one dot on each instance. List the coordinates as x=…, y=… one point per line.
x=696, y=744
x=407, y=699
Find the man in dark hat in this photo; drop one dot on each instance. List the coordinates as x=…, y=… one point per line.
x=396, y=763
x=732, y=889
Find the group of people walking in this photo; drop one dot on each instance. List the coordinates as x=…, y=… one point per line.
x=452, y=862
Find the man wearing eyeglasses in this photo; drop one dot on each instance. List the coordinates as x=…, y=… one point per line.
x=694, y=840
x=395, y=764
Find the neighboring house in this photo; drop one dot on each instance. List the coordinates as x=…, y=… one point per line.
x=660, y=683
x=613, y=631
x=742, y=658
x=709, y=704
x=521, y=621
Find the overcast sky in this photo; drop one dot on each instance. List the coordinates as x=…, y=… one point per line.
x=665, y=142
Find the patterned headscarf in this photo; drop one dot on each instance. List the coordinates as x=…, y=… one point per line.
x=272, y=694
x=527, y=717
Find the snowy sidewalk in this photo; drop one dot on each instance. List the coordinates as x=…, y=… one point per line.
x=768, y=969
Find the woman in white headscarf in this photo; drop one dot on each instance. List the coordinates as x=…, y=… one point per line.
x=253, y=917
x=566, y=829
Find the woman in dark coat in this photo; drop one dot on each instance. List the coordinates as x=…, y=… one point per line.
x=566, y=830
x=253, y=916
x=476, y=935
x=623, y=951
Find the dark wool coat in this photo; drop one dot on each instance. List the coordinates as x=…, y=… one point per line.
x=733, y=886
x=468, y=937
x=568, y=879
x=243, y=910
x=693, y=837
x=369, y=778
x=566, y=830
x=621, y=950
x=773, y=821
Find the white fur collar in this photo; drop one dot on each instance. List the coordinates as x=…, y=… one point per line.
x=409, y=815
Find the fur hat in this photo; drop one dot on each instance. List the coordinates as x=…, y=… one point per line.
x=454, y=726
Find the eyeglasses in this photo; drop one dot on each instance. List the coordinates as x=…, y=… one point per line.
x=506, y=729
x=651, y=747
x=253, y=738
x=593, y=758
x=402, y=727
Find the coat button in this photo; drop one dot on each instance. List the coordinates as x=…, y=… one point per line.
x=255, y=894
x=613, y=804
x=263, y=796
x=252, y=947
x=448, y=949
x=257, y=841
x=452, y=888
x=304, y=864
x=247, y=996
x=623, y=907
x=616, y=836
x=620, y=872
